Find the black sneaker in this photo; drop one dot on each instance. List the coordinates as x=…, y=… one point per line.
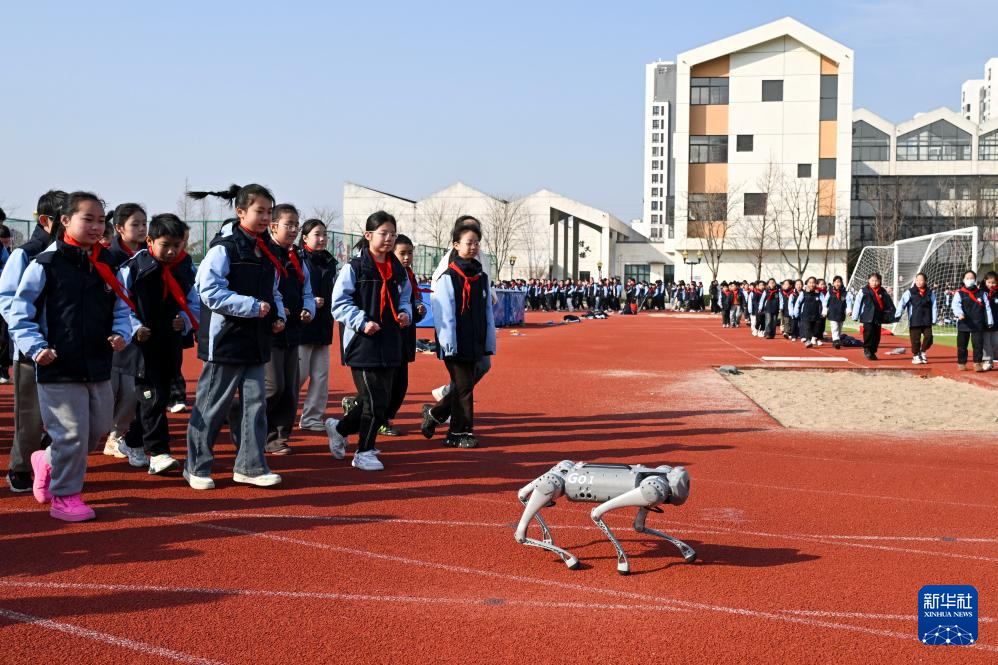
x=429, y=426
x=467, y=441
x=452, y=441
x=867, y=355
x=277, y=448
x=837, y=344
x=19, y=482
x=348, y=403
x=873, y=356
x=388, y=430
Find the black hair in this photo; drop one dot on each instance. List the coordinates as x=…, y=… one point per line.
x=991, y=274
x=468, y=219
x=240, y=197
x=971, y=272
x=401, y=239
x=309, y=225
x=50, y=204
x=468, y=224
x=72, y=203
x=874, y=274
x=839, y=277
x=167, y=224
x=120, y=214
x=374, y=221
x=3, y=217
x=282, y=209
x=4, y=230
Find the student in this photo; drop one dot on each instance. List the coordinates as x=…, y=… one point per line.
x=822, y=289
x=872, y=307
x=795, y=332
x=786, y=306
x=317, y=336
x=178, y=389
x=29, y=435
x=725, y=297
x=837, y=303
x=919, y=303
x=807, y=309
x=161, y=285
x=991, y=334
x=971, y=306
x=465, y=327
x=758, y=316
x=771, y=308
x=400, y=381
x=70, y=314
x=295, y=285
x=241, y=309
x=371, y=302
x=129, y=222
x=737, y=304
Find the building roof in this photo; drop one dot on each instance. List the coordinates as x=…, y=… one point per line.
x=774, y=30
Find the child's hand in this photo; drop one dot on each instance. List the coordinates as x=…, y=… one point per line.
x=178, y=323
x=264, y=310
x=962, y=317
x=404, y=320
x=421, y=309
x=117, y=342
x=142, y=334
x=306, y=316
x=45, y=357
x=371, y=327
x=278, y=326
x=319, y=303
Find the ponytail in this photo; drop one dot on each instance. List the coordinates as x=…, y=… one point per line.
x=240, y=197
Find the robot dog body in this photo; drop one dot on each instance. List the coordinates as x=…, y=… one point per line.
x=612, y=486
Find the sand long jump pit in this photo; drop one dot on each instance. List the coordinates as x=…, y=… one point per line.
x=865, y=400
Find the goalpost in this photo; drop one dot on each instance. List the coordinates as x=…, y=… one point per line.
x=943, y=257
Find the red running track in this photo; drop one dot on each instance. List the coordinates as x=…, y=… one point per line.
x=812, y=545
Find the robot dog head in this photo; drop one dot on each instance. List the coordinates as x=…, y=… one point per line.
x=679, y=485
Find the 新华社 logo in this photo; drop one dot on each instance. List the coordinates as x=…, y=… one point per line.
x=947, y=614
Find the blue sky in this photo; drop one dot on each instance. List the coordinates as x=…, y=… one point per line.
x=131, y=99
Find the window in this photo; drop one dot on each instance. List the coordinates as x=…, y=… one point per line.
x=654, y=205
x=655, y=177
x=869, y=144
x=939, y=141
x=655, y=110
x=744, y=143
x=708, y=208
x=655, y=191
x=656, y=124
x=708, y=149
x=755, y=204
x=656, y=152
x=826, y=169
x=656, y=233
x=655, y=219
x=655, y=164
x=829, y=97
x=989, y=146
x=826, y=225
x=803, y=170
x=640, y=273
x=712, y=90
x=772, y=91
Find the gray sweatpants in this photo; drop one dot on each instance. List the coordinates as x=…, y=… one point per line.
x=990, y=345
x=29, y=435
x=281, y=379
x=126, y=401
x=836, y=329
x=77, y=416
x=216, y=389
x=313, y=365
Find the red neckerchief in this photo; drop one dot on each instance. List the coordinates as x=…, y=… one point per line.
x=735, y=294
x=972, y=294
x=876, y=296
x=821, y=289
x=838, y=293
x=769, y=294
x=124, y=247
x=385, y=271
x=261, y=244
x=466, y=289
x=171, y=286
x=103, y=269
x=992, y=290
x=296, y=264
x=922, y=291
x=412, y=280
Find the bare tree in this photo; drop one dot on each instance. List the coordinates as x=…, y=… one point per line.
x=325, y=214
x=538, y=261
x=799, y=206
x=759, y=229
x=892, y=202
x=503, y=224
x=185, y=205
x=711, y=221
x=434, y=221
x=986, y=203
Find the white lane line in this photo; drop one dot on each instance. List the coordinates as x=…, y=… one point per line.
x=349, y=597
x=810, y=359
x=107, y=638
x=866, y=615
x=582, y=588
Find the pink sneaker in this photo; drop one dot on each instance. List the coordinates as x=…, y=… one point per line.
x=43, y=476
x=71, y=509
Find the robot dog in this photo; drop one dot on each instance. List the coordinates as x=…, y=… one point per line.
x=612, y=486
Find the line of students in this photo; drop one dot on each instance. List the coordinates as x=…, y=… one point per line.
x=262, y=309
x=597, y=295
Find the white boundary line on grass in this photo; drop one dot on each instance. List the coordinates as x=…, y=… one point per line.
x=452, y=568
x=107, y=638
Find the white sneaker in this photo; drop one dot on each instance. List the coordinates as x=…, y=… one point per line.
x=179, y=407
x=161, y=464
x=263, y=480
x=925, y=361
x=136, y=456
x=441, y=392
x=199, y=482
x=807, y=345
x=367, y=461
x=337, y=442
x=916, y=360
x=111, y=447
x=818, y=342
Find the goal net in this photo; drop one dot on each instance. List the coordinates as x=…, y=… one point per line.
x=943, y=257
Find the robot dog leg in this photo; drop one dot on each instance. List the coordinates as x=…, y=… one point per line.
x=689, y=554
x=535, y=496
x=651, y=492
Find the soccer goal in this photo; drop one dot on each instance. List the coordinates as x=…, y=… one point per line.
x=944, y=257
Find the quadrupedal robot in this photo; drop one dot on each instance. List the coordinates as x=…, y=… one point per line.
x=612, y=486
